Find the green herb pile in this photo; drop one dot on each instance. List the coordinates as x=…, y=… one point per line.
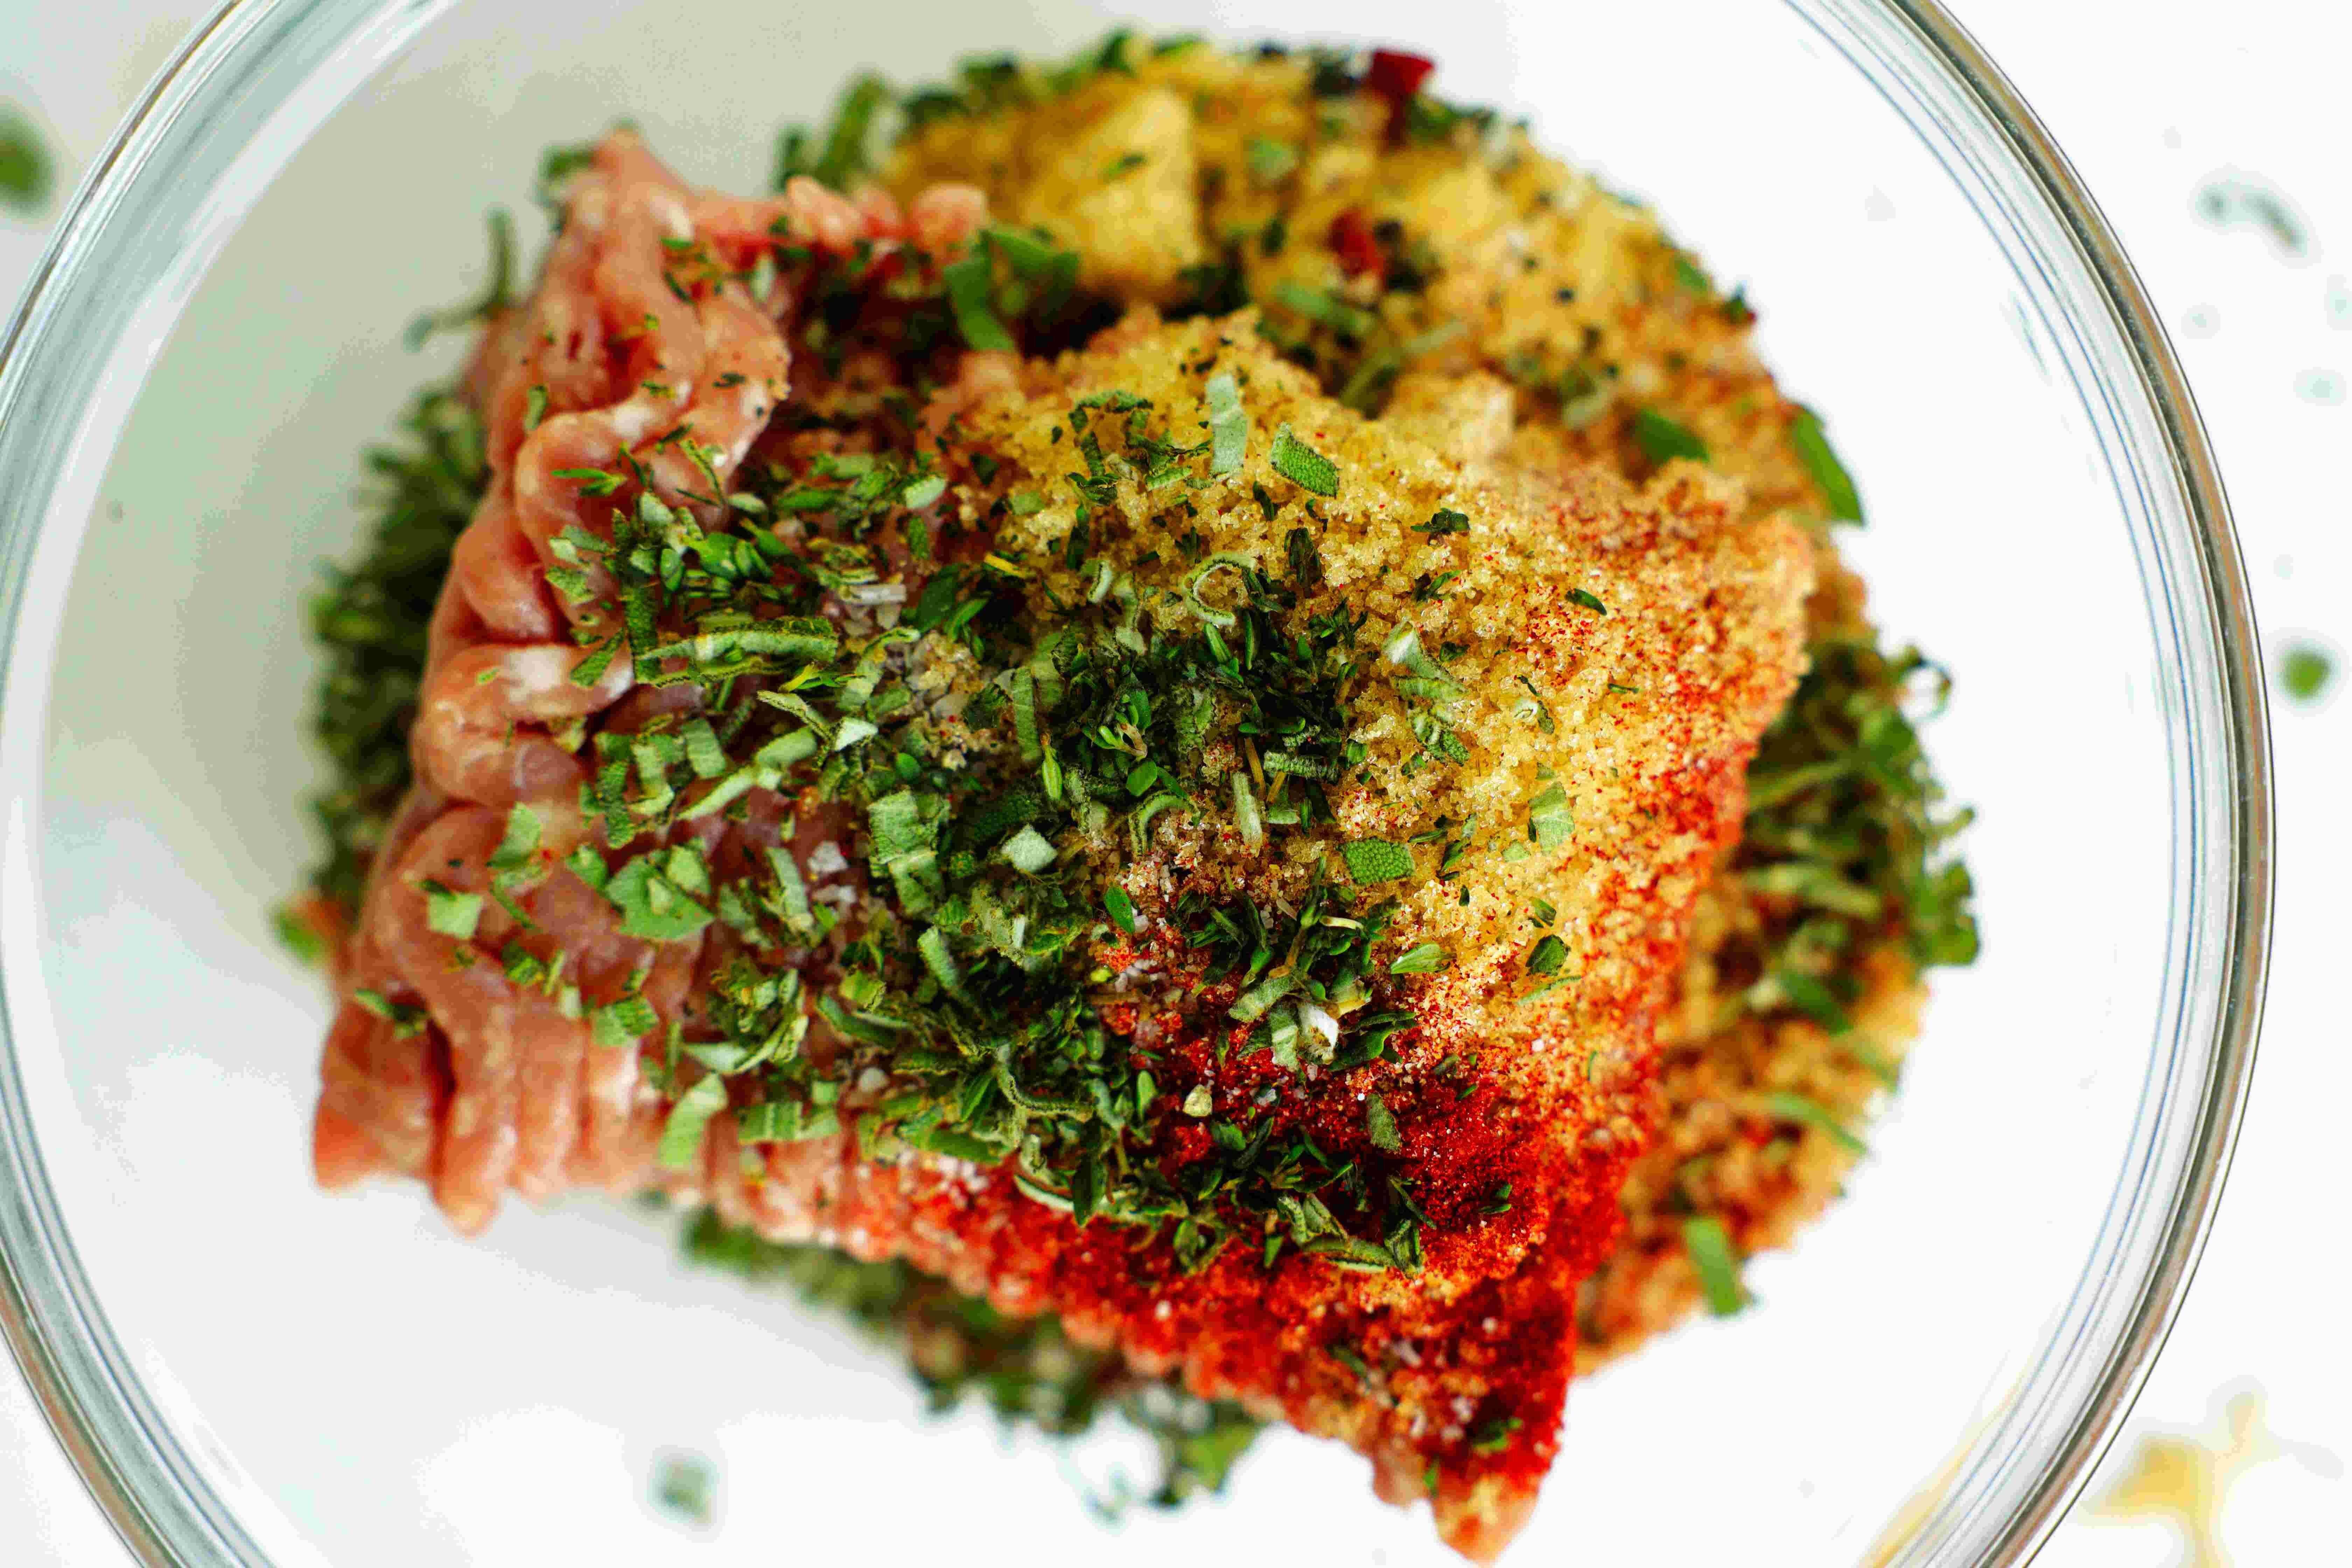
x=1847, y=828
x=975, y=989
x=1025, y=1370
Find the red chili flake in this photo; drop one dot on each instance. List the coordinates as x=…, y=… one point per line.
x=1396, y=76
x=1359, y=252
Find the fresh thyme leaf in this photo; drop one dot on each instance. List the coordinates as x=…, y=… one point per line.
x=1829, y=475
x=1546, y=956
x=1120, y=908
x=1589, y=599
x=1380, y=1126
x=1443, y=523
x=1303, y=466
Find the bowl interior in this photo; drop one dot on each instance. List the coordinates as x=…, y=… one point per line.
x=366, y=1388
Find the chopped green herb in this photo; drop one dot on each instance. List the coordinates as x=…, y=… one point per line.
x=1376, y=860
x=451, y=914
x=1428, y=958
x=1228, y=425
x=1710, y=1248
x=970, y=285
x=496, y=294
x=1829, y=475
x=842, y=154
x=1546, y=956
x=1494, y=1436
x=1550, y=821
x=1029, y=850
x=1791, y=1107
x=1380, y=1126
x=1270, y=160
x=1662, y=439
x=1444, y=522
x=681, y=1139
x=1303, y=466
x=1027, y=1370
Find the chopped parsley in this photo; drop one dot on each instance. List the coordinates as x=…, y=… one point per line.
x=1303, y=466
x=1376, y=860
x=1228, y=425
x=1662, y=439
x=1821, y=465
x=1711, y=1252
x=1797, y=1108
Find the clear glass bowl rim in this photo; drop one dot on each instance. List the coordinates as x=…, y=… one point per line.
x=249, y=85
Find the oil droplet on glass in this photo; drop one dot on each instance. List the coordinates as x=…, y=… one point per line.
x=26, y=169
x=685, y=1490
x=2202, y=322
x=2233, y=199
x=2339, y=303
x=2183, y=1479
x=1878, y=207
x=2324, y=388
x=2307, y=670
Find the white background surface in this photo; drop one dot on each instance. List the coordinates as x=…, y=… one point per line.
x=2151, y=102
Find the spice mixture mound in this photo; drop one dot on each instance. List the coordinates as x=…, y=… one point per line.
x=1182, y=729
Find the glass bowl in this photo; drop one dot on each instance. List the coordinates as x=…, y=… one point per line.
x=247, y=1371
